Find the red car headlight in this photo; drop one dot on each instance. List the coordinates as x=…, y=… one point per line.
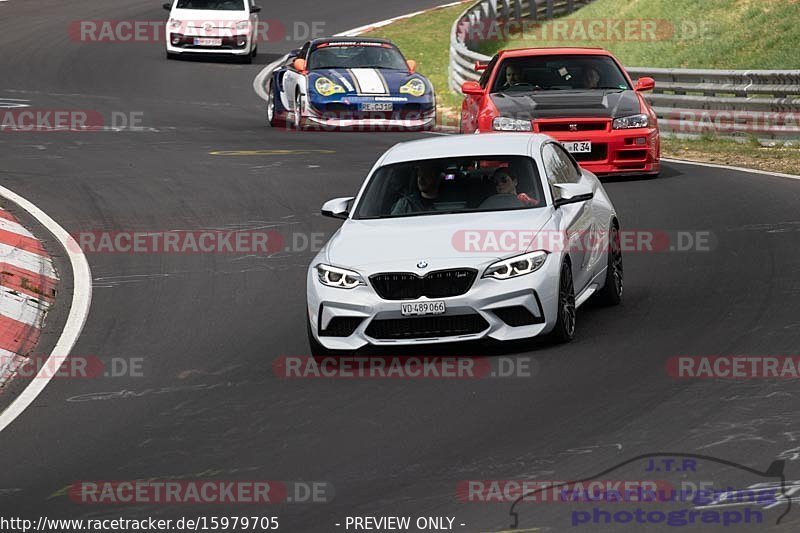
x=634, y=121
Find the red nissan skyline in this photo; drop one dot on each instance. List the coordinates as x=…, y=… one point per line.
x=582, y=97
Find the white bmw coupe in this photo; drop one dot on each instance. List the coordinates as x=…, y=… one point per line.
x=465, y=237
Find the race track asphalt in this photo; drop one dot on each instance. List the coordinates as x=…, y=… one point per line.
x=208, y=327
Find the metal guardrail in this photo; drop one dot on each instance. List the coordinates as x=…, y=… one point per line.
x=485, y=18
x=765, y=103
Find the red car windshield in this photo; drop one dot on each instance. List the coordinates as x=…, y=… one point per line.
x=565, y=73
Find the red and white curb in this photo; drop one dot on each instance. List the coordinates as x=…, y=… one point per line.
x=27, y=292
x=28, y=283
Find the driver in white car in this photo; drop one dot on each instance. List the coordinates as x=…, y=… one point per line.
x=428, y=183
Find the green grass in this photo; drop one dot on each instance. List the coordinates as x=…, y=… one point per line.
x=425, y=39
x=749, y=154
x=736, y=34
x=721, y=34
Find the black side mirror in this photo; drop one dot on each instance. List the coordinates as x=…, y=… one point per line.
x=573, y=200
x=167, y=6
x=255, y=9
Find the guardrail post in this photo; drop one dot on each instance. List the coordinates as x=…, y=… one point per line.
x=518, y=9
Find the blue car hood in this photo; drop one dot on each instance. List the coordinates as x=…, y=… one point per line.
x=369, y=82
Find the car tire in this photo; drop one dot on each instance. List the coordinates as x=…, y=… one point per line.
x=564, y=330
x=170, y=55
x=612, y=291
x=246, y=59
x=317, y=349
x=272, y=117
x=254, y=53
x=298, y=112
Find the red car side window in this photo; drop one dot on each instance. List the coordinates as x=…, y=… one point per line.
x=484, y=81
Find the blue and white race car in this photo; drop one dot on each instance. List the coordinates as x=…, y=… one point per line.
x=350, y=83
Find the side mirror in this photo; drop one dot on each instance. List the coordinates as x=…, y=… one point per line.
x=472, y=88
x=572, y=193
x=299, y=65
x=167, y=6
x=412, y=66
x=645, y=84
x=480, y=66
x=255, y=9
x=337, y=208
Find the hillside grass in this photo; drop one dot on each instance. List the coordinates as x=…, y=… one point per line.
x=724, y=34
x=720, y=34
x=426, y=39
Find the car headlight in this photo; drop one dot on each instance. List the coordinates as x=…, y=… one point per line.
x=175, y=24
x=326, y=87
x=414, y=87
x=511, y=124
x=633, y=121
x=339, y=278
x=516, y=266
x=243, y=25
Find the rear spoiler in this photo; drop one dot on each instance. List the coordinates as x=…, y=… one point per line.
x=481, y=66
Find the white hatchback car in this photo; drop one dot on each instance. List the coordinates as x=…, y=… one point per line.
x=464, y=237
x=227, y=27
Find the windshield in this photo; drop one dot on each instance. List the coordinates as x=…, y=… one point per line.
x=212, y=5
x=564, y=73
x=356, y=55
x=452, y=185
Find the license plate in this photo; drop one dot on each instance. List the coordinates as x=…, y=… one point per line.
x=423, y=308
x=377, y=107
x=207, y=41
x=578, y=147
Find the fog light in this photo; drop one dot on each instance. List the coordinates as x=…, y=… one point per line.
x=241, y=40
x=176, y=40
x=641, y=141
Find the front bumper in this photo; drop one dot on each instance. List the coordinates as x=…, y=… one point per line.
x=480, y=310
x=372, y=124
x=618, y=152
x=231, y=44
x=346, y=112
